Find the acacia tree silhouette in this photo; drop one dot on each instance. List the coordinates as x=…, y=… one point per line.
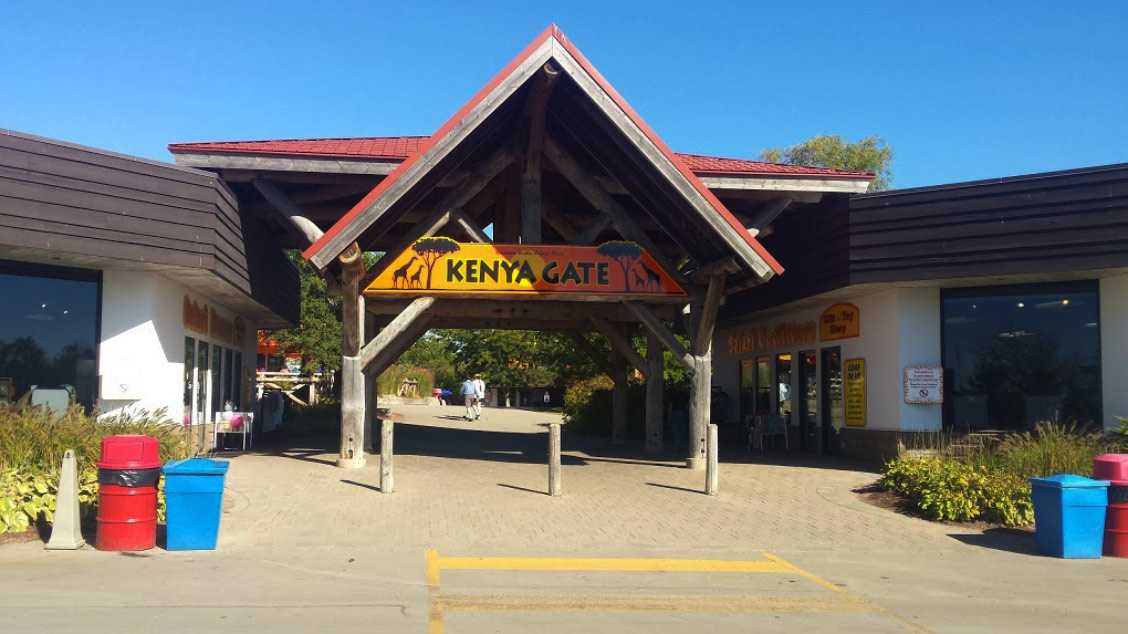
x=625, y=253
x=431, y=250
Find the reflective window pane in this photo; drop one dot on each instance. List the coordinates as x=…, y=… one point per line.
x=48, y=335
x=1017, y=356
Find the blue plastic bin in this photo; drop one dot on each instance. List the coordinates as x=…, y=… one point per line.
x=193, y=502
x=1069, y=515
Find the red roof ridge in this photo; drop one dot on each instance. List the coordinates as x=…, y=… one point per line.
x=300, y=140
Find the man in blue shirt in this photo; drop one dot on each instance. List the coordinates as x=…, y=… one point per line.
x=469, y=392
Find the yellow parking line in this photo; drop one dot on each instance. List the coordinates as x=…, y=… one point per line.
x=435, y=564
x=787, y=566
x=649, y=603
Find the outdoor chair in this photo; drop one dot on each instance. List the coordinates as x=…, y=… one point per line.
x=766, y=426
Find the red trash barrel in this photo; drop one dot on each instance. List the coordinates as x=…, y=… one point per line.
x=1114, y=468
x=127, y=492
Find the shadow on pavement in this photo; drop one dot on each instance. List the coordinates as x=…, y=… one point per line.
x=362, y=485
x=675, y=488
x=1012, y=540
x=517, y=488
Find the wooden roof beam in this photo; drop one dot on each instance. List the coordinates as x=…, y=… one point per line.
x=531, y=193
x=602, y=200
x=290, y=215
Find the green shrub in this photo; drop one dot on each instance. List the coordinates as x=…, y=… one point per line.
x=32, y=444
x=587, y=405
x=950, y=490
x=1051, y=448
x=390, y=380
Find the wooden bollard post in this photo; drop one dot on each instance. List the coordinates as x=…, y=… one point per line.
x=554, y=459
x=711, y=479
x=387, y=474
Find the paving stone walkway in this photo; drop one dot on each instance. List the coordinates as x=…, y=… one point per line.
x=480, y=487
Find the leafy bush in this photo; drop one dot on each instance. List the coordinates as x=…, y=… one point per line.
x=587, y=404
x=390, y=380
x=32, y=444
x=1051, y=448
x=945, y=489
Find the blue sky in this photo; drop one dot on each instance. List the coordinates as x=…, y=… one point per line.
x=959, y=90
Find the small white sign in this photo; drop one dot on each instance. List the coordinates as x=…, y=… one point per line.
x=924, y=384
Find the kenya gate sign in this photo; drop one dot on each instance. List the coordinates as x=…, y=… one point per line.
x=440, y=266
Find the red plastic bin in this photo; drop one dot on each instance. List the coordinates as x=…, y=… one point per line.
x=127, y=493
x=1114, y=468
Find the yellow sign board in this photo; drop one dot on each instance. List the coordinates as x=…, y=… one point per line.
x=854, y=391
x=438, y=266
x=840, y=321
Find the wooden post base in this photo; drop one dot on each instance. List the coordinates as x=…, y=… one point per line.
x=352, y=463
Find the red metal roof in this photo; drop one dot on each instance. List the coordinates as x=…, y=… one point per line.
x=398, y=148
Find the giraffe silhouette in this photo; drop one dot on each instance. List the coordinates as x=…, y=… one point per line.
x=415, y=281
x=638, y=281
x=652, y=277
x=401, y=273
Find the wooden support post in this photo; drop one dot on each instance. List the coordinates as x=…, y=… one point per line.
x=293, y=219
x=659, y=330
x=387, y=451
x=620, y=343
x=655, y=384
x=554, y=459
x=507, y=217
x=711, y=476
x=352, y=375
x=531, y=177
x=618, y=400
x=704, y=313
x=379, y=352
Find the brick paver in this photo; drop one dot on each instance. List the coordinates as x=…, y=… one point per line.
x=478, y=487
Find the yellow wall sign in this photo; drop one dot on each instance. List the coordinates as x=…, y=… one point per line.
x=438, y=266
x=854, y=391
x=840, y=321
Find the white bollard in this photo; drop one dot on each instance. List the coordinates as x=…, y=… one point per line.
x=711, y=479
x=554, y=459
x=66, y=532
x=387, y=474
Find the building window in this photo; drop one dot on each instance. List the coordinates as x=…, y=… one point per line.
x=228, y=359
x=763, y=385
x=49, y=335
x=189, y=377
x=1016, y=356
x=238, y=384
x=747, y=388
x=783, y=384
x=217, y=380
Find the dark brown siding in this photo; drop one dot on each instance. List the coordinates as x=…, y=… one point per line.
x=67, y=198
x=1042, y=223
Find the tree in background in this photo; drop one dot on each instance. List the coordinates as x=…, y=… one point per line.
x=318, y=334
x=431, y=352
x=871, y=154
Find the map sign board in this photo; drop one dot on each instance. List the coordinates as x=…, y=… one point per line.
x=854, y=391
x=441, y=266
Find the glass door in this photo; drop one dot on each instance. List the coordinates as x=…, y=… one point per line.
x=189, y=379
x=832, y=412
x=809, y=401
x=201, y=416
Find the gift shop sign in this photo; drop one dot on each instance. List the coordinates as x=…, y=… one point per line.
x=440, y=266
x=840, y=321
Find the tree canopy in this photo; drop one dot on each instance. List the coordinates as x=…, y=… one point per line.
x=871, y=154
x=318, y=333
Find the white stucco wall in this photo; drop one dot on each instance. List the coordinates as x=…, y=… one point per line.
x=899, y=327
x=142, y=341
x=1114, y=348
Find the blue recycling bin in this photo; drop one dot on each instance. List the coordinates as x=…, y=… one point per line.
x=193, y=501
x=1069, y=515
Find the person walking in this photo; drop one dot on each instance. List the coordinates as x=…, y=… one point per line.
x=479, y=395
x=469, y=393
